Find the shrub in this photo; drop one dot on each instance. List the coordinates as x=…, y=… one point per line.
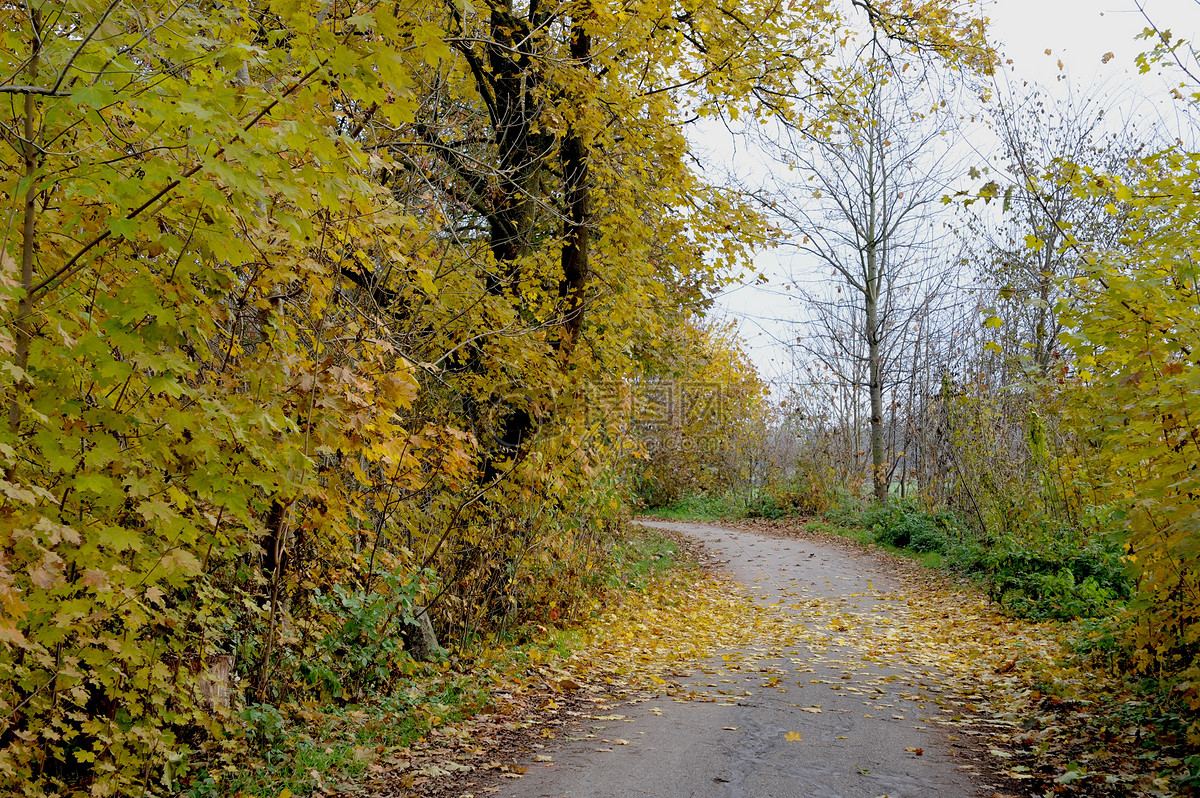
x=765, y=504
x=1042, y=572
x=1056, y=579
x=363, y=649
x=902, y=524
x=800, y=502
x=849, y=509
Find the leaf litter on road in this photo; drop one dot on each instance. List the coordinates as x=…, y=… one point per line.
x=968, y=669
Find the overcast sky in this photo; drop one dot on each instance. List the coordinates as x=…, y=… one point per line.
x=1079, y=33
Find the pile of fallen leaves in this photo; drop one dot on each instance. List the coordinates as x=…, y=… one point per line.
x=1005, y=686
x=676, y=623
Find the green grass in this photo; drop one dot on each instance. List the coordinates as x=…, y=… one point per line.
x=704, y=507
x=856, y=533
x=640, y=557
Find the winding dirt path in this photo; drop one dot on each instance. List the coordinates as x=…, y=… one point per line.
x=834, y=708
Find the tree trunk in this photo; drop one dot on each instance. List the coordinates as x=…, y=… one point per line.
x=576, y=231
x=872, y=285
x=878, y=451
x=31, y=155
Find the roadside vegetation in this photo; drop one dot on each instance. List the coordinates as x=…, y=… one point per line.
x=1043, y=580
x=1020, y=413
x=318, y=324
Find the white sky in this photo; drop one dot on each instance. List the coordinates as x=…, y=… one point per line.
x=1080, y=33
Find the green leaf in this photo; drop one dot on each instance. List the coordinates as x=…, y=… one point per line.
x=119, y=538
x=98, y=484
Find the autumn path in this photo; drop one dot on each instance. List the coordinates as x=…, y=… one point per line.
x=826, y=705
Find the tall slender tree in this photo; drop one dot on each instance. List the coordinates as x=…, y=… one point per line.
x=863, y=211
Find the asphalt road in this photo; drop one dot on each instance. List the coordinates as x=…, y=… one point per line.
x=867, y=724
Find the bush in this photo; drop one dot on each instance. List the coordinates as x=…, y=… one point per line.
x=901, y=523
x=849, y=510
x=779, y=502
x=904, y=526
x=798, y=502
x=1056, y=579
x=808, y=491
x=264, y=726
x=765, y=505
x=363, y=649
x=1042, y=574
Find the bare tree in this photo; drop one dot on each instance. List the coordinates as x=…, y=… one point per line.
x=865, y=212
x=1032, y=253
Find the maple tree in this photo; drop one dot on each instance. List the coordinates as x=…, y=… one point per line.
x=696, y=414
x=1132, y=335
x=184, y=367
x=1110, y=440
